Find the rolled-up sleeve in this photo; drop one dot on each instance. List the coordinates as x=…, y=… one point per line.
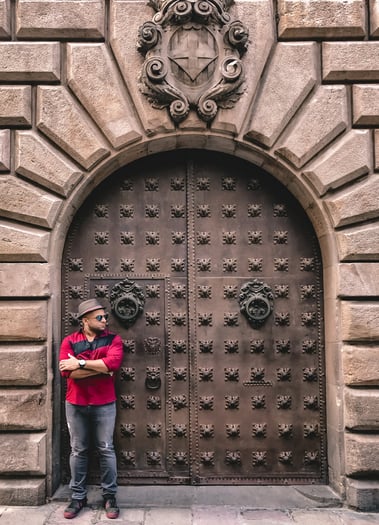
x=114, y=356
x=63, y=354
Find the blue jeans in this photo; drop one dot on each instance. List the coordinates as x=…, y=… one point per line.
x=94, y=422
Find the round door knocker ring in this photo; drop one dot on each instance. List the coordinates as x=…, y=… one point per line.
x=256, y=302
x=127, y=301
x=127, y=308
x=257, y=308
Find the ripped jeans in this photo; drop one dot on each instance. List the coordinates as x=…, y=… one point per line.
x=96, y=423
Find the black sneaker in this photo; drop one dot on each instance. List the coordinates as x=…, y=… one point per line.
x=74, y=508
x=111, y=509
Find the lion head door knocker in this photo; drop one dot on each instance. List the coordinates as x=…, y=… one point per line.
x=256, y=302
x=127, y=301
x=153, y=378
x=192, y=51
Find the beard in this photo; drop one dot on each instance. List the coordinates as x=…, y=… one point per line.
x=98, y=331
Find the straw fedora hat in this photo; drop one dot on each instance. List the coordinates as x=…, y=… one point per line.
x=89, y=306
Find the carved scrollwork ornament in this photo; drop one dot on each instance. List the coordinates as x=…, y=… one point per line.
x=193, y=52
x=148, y=36
x=256, y=301
x=127, y=301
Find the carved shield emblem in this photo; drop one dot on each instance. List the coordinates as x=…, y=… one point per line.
x=192, y=69
x=192, y=51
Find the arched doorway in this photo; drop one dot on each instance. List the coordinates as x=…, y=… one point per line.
x=223, y=376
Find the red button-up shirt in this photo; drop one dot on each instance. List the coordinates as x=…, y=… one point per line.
x=98, y=389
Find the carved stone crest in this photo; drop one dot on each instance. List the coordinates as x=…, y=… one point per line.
x=192, y=51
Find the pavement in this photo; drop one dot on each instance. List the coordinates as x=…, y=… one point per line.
x=186, y=505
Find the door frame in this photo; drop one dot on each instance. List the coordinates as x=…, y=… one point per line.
x=327, y=242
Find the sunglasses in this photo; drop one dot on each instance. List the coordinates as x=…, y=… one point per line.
x=100, y=317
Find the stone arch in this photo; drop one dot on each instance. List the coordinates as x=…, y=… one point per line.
x=319, y=219
x=306, y=116
x=256, y=157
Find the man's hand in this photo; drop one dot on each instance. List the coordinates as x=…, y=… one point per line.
x=92, y=367
x=69, y=364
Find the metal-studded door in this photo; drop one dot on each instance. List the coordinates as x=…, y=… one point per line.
x=212, y=274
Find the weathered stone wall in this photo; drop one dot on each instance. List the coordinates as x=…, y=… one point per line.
x=71, y=112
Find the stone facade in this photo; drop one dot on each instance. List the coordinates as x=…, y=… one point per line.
x=71, y=113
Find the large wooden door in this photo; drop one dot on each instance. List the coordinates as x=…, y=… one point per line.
x=223, y=376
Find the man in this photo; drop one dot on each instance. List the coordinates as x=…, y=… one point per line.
x=88, y=359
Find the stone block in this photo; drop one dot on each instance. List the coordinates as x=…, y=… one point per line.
x=358, y=280
x=290, y=76
x=362, y=455
x=170, y=515
x=309, y=517
x=362, y=495
x=344, y=162
x=319, y=121
x=22, y=410
x=61, y=118
x=23, y=321
x=194, y=123
x=376, y=149
x=24, y=280
x=5, y=150
x=4, y=19
x=44, y=19
x=29, y=61
x=22, y=454
x=259, y=17
x=359, y=244
x=361, y=410
x=22, y=365
x=321, y=19
x=26, y=203
x=360, y=365
x=38, y=515
x=125, y=18
x=374, y=18
x=358, y=204
x=15, y=106
x=365, y=105
x=359, y=321
x=43, y=164
x=350, y=61
x=22, y=491
x=22, y=244
x=101, y=91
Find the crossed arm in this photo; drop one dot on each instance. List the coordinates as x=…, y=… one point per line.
x=93, y=367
